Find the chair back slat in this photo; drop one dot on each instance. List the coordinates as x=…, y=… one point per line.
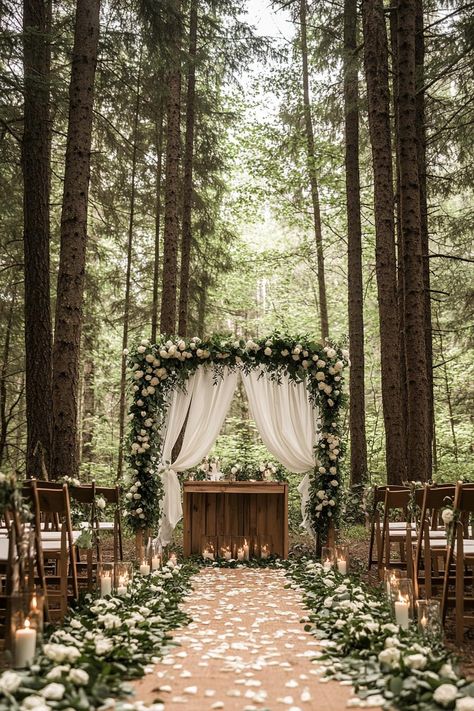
x=464, y=497
x=397, y=498
x=83, y=494
x=110, y=493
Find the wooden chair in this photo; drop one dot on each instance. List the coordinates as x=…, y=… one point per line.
x=430, y=543
x=394, y=531
x=60, y=584
x=112, y=496
x=85, y=495
x=460, y=549
x=375, y=527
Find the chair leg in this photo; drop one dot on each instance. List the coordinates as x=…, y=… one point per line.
x=459, y=597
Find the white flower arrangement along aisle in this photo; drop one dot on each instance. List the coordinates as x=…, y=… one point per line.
x=104, y=642
x=158, y=369
x=389, y=667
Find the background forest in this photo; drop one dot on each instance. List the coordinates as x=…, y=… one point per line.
x=223, y=141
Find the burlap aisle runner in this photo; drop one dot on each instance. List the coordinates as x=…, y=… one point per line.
x=245, y=650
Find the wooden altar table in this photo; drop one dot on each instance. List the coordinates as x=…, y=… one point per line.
x=235, y=508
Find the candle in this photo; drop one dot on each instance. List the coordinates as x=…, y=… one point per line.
x=240, y=554
x=342, y=566
x=327, y=565
x=265, y=552
x=172, y=560
x=226, y=554
x=246, y=550
x=144, y=568
x=105, y=585
x=25, y=645
x=122, y=585
x=208, y=554
x=402, y=612
x=156, y=562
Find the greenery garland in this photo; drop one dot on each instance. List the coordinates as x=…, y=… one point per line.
x=102, y=643
x=388, y=666
x=157, y=369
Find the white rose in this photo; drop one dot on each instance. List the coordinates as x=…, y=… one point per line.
x=447, y=516
x=333, y=470
x=390, y=656
x=334, y=482
x=321, y=494
x=285, y=352
x=101, y=503
x=320, y=375
x=79, y=677
x=445, y=694
x=234, y=470
x=150, y=358
x=328, y=602
x=415, y=661
x=268, y=351
x=322, y=470
x=330, y=402
x=53, y=691
x=331, y=352
x=141, y=349
x=35, y=702
x=447, y=672
x=103, y=645
x=56, y=672
x=138, y=374
x=10, y=682
x=332, y=502
x=465, y=704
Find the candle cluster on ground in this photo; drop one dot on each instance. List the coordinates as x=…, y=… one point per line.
x=239, y=548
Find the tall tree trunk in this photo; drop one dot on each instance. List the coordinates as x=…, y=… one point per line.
x=128, y=274
x=186, y=236
x=5, y=417
x=88, y=407
x=354, y=239
x=156, y=264
x=418, y=440
x=421, y=157
x=72, y=258
x=399, y=241
x=171, y=232
x=447, y=388
x=313, y=177
x=378, y=95
x=36, y=154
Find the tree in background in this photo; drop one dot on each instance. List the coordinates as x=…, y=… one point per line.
x=35, y=153
x=72, y=260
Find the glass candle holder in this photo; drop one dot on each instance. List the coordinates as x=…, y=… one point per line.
x=392, y=582
x=123, y=576
x=172, y=559
x=266, y=547
x=25, y=627
x=241, y=548
x=105, y=578
x=429, y=623
x=209, y=549
x=327, y=557
x=225, y=548
x=342, y=559
x=156, y=555
x=403, y=603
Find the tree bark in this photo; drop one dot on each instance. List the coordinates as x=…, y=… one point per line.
x=128, y=274
x=313, y=177
x=354, y=239
x=72, y=258
x=36, y=155
x=88, y=407
x=171, y=231
x=378, y=95
x=5, y=416
x=421, y=158
x=186, y=236
x=156, y=264
x=418, y=440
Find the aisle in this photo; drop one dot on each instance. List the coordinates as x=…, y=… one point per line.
x=244, y=650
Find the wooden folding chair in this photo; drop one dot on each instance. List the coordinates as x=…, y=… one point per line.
x=54, y=504
x=85, y=494
x=394, y=532
x=375, y=527
x=112, y=496
x=460, y=549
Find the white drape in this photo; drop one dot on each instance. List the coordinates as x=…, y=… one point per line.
x=206, y=403
x=286, y=421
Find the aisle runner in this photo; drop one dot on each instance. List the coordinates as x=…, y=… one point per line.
x=244, y=650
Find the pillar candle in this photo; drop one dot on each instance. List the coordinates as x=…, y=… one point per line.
x=25, y=645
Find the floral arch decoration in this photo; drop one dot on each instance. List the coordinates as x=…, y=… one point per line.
x=157, y=369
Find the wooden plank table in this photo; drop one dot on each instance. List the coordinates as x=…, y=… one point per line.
x=226, y=509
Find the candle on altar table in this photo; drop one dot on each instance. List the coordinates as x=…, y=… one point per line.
x=402, y=612
x=144, y=568
x=265, y=552
x=246, y=550
x=240, y=554
x=105, y=584
x=342, y=565
x=25, y=645
x=156, y=562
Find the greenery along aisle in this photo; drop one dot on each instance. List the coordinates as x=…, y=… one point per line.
x=387, y=665
x=158, y=369
x=101, y=644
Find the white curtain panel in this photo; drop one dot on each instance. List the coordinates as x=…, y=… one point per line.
x=287, y=422
x=205, y=403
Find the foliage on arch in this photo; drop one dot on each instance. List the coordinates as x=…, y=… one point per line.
x=157, y=369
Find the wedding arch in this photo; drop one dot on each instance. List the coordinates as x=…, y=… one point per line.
x=295, y=391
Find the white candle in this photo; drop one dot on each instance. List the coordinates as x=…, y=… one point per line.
x=246, y=550
x=156, y=562
x=122, y=590
x=265, y=552
x=327, y=565
x=144, y=569
x=402, y=617
x=342, y=566
x=208, y=554
x=105, y=585
x=25, y=645
x=240, y=554
x=227, y=553
x=173, y=559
